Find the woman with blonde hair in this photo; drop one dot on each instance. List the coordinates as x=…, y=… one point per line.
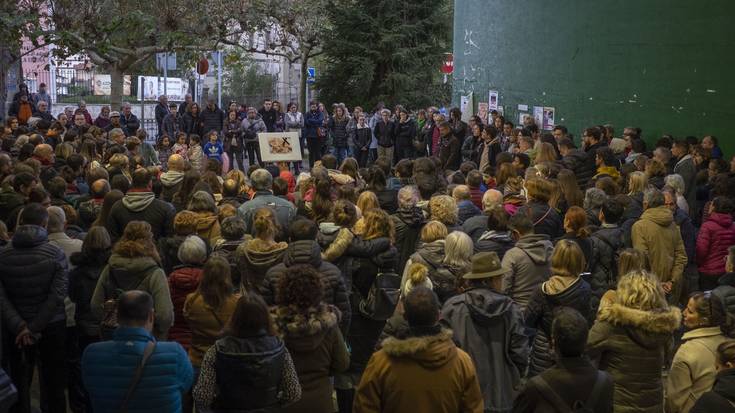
x=256, y=256
x=397, y=326
x=134, y=265
x=443, y=208
x=676, y=182
x=365, y=202
x=565, y=288
x=546, y=153
x=545, y=219
x=630, y=340
x=430, y=251
x=656, y=172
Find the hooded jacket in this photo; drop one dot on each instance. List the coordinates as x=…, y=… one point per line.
x=171, y=181
x=307, y=252
x=722, y=396
x=33, y=279
x=422, y=373
x=529, y=262
x=693, y=368
x=254, y=258
x=631, y=344
x=318, y=350
x=139, y=273
x=82, y=282
x=208, y=227
x=408, y=223
x=557, y=292
x=489, y=327
x=140, y=205
x=657, y=235
x=183, y=281
x=496, y=241
x=716, y=235
x=475, y=226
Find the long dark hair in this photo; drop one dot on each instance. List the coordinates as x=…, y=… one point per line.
x=110, y=199
x=215, y=286
x=191, y=179
x=251, y=316
x=321, y=204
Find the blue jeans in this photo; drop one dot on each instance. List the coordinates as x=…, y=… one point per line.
x=341, y=154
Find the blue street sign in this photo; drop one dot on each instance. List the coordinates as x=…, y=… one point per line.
x=311, y=74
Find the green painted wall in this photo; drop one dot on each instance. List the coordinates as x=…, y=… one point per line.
x=667, y=66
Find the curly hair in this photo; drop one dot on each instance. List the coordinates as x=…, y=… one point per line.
x=444, y=209
x=379, y=224
x=300, y=287
x=185, y=223
x=641, y=290
x=137, y=241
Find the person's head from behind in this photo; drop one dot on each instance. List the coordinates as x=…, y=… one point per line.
x=653, y=198
x=444, y=209
x=630, y=260
x=34, y=214
x=433, y=231
x=611, y=211
x=575, y=222
x=56, y=220
x=726, y=355
x=303, y=230
x=421, y=308
x=567, y=260
x=216, y=282
x=137, y=241
x=251, y=317
x=344, y=214
x=265, y=223
x=233, y=228
x=329, y=161
x=135, y=309
x=408, y=196
x=142, y=179
x=520, y=225
x=569, y=332
x=641, y=290
x=301, y=287
x=193, y=251
x=261, y=179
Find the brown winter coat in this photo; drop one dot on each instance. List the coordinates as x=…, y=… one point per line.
x=419, y=374
x=318, y=352
x=205, y=323
x=656, y=234
x=631, y=344
x=254, y=258
x=208, y=227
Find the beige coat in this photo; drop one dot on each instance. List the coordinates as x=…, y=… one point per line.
x=693, y=369
x=657, y=235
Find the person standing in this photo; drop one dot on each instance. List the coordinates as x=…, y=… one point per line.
x=715, y=237
x=129, y=122
x=449, y=148
x=338, y=130
x=384, y=132
x=423, y=372
x=573, y=382
x=33, y=284
x=233, y=145
x=269, y=115
x=134, y=371
x=685, y=167
x=313, y=121
x=489, y=326
x=252, y=125
x=172, y=122
x=213, y=118
x=294, y=122
x=363, y=135
x=42, y=96
x=405, y=134
x=161, y=111
x=722, y=396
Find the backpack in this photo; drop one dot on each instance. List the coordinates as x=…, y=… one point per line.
x=109, y=323
x=578, y=406
x=383, y=296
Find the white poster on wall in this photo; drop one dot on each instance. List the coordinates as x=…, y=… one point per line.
x=493, y=100
x=279, y=146
x=152, y=87
x=538, y=115
x=467, y=107
x=102, y=85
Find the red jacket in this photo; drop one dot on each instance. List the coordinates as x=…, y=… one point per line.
x=182, y=282
x=715, y=237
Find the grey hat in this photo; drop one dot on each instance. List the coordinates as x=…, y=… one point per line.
x=485, y=265
x=115, y=113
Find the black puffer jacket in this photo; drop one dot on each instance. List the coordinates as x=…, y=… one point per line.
x=576, y=161
x=608, y=242
x=33, y=277
x=408, y=223
x=405, y=132
x=385, y=133
x=82, y=282
x=722, y=397
x=338, y=130
x=307, y=252
x=496, y=241
x=475, y=227
x=212, y=119
x=168, y=250
x=556, y=292
x=545, y=219
x=141, y=206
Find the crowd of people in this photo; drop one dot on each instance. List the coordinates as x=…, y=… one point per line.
x=415, y=262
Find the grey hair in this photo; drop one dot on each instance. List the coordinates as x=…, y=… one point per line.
x=408, y=196
x=491, y=199
x=192, y=251
x=653, y=198
x=115, y=132
x=384, y=111
x=233, y=228
x=261, y=179
x=676, y=182
x=594, y=198
x=202, y=201
x=56, y=219
x=458, y=249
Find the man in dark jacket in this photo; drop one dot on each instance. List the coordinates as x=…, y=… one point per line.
x=607, y=243
x=304, y=250
x=269, y=115
x=161, y=112
x=385, y=133
x=33, y=284
x=172, y=123
x=488, y=325
x=573, y=383
x=312, y=122
x=408, y=220
x=449, y=148
x=405, y=134
x=14, y=196
x=140, y=204
x=213, y=118
x=129, y=122
x=576, y=161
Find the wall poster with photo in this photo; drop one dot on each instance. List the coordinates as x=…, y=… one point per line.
x=279, y=146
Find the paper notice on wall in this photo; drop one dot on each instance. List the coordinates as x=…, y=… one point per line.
x=501, y=112
x=493, y=100
x=538, y=115
x=522, y=108
x=466, y=106
x=483, y=112
x=548, y=123
x=102, y=85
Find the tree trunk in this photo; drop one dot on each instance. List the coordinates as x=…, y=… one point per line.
x=116, y=87
x=302, y=84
